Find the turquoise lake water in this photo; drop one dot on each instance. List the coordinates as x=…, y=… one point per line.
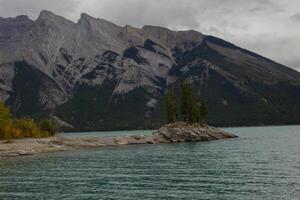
x=263, y=163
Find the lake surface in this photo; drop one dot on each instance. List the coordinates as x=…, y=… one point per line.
x=264, y=163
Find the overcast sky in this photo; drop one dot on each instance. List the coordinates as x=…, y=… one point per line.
x=268, y=27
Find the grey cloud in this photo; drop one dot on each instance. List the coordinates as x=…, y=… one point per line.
x=257, y=9
x=174, y=14
x=296, y=17
x=282, y=49
x=32, y=8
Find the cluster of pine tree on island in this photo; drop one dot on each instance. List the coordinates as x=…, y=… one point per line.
x=191, y=111
x=11, y=128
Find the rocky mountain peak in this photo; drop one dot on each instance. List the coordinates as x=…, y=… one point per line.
x=97, y=25
x=135, y=36
x=11, y=30
x=188, y=39
x=84, y=17
x=171, y=38
x=45, y=14
x=22, y=18
x=161, y=34
x=157, y=29
x=48, y=17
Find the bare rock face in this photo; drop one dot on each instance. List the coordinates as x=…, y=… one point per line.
x=183, y=132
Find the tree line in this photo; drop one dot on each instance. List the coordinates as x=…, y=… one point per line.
x=11, y=128
x=191, y=111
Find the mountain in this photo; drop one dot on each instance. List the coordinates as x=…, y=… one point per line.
x=95, y=75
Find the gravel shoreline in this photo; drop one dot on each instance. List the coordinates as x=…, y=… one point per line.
x=171, y=133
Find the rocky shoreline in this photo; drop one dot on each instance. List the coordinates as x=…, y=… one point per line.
x=170, y=133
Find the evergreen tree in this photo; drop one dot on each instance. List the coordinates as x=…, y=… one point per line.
x=171, y=106
x=49, y=125
x=203, y=110
x=193, y=114
x=188, y=103
x=184, y=103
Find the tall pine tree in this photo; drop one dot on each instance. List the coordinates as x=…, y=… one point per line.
x=184, y=103
x=171, y=106
x=203, y=110
x=188, y=105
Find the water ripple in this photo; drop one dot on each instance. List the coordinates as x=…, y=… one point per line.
x=262, y=164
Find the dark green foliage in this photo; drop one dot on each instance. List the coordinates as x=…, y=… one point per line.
x=188, y=104
x=194, y=117
x=96, y=108
x=24, y=101
x=184, y=100
x=203, y=110
x=171, y=106
x=49, y=125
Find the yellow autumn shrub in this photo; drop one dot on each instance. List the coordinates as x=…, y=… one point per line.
x=28, y=127
x=25, y=127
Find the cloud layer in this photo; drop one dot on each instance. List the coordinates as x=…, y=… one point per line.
x=268, y=27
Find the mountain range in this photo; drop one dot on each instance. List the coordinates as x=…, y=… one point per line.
x=96, y=75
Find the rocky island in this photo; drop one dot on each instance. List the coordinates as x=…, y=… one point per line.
x=170, y=133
